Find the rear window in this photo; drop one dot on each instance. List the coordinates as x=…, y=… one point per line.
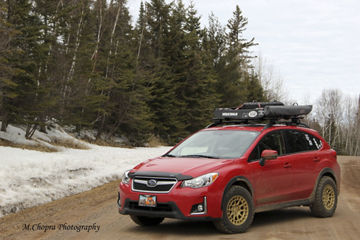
x=298, y=141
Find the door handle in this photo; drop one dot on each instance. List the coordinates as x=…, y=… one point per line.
x=287, y=165
x=316, y=159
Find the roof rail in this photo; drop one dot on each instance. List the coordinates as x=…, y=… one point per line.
x=293, y=122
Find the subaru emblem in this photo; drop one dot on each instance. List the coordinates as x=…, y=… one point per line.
x=152, y=183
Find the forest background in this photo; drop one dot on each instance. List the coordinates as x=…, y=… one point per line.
x=85, y=64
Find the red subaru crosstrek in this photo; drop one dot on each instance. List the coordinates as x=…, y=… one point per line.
x=234, y=168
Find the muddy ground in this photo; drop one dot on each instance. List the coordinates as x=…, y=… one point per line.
x=98, y=207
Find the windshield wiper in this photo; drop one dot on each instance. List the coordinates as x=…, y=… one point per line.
x=169, y=155
x=199, y=156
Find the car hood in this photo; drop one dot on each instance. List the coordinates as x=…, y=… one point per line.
x=193, y=167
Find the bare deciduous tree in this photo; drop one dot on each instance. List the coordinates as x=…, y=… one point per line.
x=329, y=115
x=272, y=85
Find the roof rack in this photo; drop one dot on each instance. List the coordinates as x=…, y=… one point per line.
x=274, y=112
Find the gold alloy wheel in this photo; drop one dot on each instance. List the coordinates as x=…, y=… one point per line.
x=237, y=210
x=328, y=197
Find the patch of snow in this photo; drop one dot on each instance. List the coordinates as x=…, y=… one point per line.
x=29, y=178
x=16, y=134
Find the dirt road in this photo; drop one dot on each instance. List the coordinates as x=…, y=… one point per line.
x=98, y=208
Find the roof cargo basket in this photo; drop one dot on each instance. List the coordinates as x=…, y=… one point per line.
x=260, y=111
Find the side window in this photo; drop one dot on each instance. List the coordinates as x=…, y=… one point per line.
x=298, y=141
x=271, y=141
x=317, y=142
x=255, y=155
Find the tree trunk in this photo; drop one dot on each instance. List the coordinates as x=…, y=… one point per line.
x=94, y=55
x=103, y=117
x=42, y=118
x=4, y=122
x=30, y=130
x=112, y=39
x=73, y=63
x=139, y=48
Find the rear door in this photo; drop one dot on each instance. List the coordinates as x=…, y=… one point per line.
x=301, y=150
x=272, y=182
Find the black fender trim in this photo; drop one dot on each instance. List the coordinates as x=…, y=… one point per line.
x=231, y=183
x=320, y=175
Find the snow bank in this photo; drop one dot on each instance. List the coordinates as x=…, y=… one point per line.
x=29, y=178
x=16, y=135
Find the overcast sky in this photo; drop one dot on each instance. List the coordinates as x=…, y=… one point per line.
x=310, y=44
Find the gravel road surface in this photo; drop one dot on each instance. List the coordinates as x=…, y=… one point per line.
x=79, y=216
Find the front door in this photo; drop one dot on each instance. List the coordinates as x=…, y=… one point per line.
x=272, y=182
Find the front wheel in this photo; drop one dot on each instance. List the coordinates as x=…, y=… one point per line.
x=325, y=201
x=146, y=221
x=238, y=211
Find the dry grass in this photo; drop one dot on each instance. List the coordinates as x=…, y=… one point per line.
x=69, y=143
x=102, y=142
x=38, y=147
x=154, y=141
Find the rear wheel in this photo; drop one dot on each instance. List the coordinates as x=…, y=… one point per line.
x=146, y=221
x=238, y=211
x=325, y=201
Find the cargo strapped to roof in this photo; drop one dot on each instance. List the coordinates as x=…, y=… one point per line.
x=260, y=111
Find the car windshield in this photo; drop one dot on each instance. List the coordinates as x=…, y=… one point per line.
x=215, y=144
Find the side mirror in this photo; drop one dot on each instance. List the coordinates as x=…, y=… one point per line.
x=268, y=155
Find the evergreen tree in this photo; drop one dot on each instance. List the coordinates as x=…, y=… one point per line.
x=196, y=81
x=214, y=43
x=48, y=13
x=129, y=93
x=79, y=107
x=154, y=61
x=232, y=72
x=82, y=63
x=26, y=61
x=7, y=85
x=252, y=89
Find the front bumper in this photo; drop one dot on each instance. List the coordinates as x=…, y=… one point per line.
x=178, y=203
x=167, y=210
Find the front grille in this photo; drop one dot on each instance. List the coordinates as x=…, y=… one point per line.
x=143, y=184
x=160, y=207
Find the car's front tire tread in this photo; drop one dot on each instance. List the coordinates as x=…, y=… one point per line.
x=224, y=225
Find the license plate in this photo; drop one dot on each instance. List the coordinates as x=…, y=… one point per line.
x=147, y=201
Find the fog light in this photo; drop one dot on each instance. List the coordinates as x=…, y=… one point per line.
x=200, y=208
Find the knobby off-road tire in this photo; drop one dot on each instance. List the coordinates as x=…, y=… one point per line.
x=146, y=221
x=238, y=211
x=325, y=201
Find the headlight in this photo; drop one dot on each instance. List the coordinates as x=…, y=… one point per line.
x=125, y=177
x=202, y=181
